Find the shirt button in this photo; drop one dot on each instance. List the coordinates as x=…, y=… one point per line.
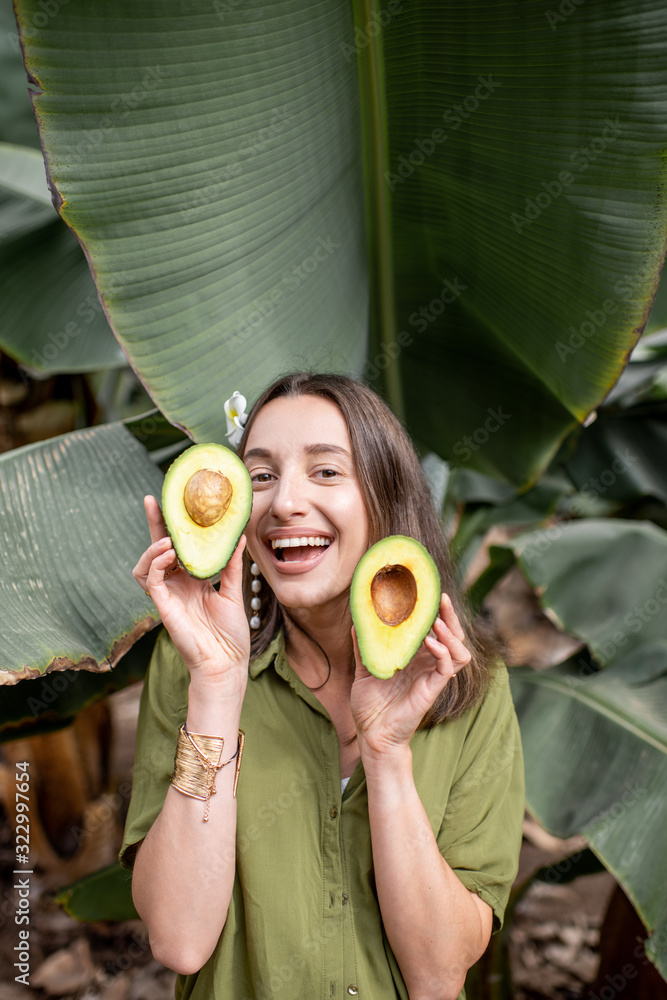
x=352, y=990
x=334, y=812
x=344, y=899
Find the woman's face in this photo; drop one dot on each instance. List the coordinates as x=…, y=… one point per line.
x=309, y=525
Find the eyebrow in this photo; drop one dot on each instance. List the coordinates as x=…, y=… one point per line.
x=310, y=449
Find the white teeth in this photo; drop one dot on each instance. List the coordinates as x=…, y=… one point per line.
x=286, y=543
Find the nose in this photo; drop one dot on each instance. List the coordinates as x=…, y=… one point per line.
x=289, y=500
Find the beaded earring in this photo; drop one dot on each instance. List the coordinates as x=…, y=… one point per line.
x=256, y=601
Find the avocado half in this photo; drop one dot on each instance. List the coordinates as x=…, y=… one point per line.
x=206, y=503
x=394, y=600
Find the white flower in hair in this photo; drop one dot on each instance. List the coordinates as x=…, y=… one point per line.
x=236, y=417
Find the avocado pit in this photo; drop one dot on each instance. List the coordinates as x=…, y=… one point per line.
x=393, y=594
x=207, y=496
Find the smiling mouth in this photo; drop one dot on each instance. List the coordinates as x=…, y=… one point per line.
x=298, y=549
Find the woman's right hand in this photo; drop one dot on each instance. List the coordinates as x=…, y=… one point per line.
x=209, y=628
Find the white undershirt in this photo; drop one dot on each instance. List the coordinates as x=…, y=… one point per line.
x=343, y=783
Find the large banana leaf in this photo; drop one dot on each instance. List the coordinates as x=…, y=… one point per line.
x=528, y=201
x=72, y=528
x=221, y=153
x=628, y=449
x=604, y=581
x=209, y=159
x=52, y=701
x=594, y=729
x=52, y=319
x=104, y=895
x=595, y=746
x=17, y=122
x=621, y=455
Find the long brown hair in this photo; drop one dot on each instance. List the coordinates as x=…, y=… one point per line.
x=398, y=502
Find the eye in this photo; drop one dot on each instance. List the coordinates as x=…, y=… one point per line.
x=261, y=477
x=328, y=473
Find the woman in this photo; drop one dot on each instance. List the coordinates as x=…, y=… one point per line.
x=374, y=837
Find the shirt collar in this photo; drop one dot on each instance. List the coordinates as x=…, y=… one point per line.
x=275, y=651
x=275, y=655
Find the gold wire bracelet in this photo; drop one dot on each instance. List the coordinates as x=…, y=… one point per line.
x=194, y=772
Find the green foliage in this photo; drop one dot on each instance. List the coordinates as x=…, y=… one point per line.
x=444, y=197
x=41, y=263
x=44, y=704
x=104, y=895
x=72, y=514
x=595, y=745
x=619, y=598
x=511, y=264
x=593, y=728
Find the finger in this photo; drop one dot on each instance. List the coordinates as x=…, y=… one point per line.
x=160, y=567
x=237, y=557
x=455, y=646
x=456, y=649
x=444, y=664
x=360, y=669
x=156, y=523
x=449, y=616
x=231, y=577
x=443, y=668
x=141, y=570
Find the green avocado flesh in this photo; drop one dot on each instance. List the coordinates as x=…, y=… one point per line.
x=394, y=600
x=206, y=503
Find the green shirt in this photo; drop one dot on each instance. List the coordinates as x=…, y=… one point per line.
x=304, y=922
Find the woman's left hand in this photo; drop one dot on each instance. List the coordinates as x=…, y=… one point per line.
x=387, y=712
